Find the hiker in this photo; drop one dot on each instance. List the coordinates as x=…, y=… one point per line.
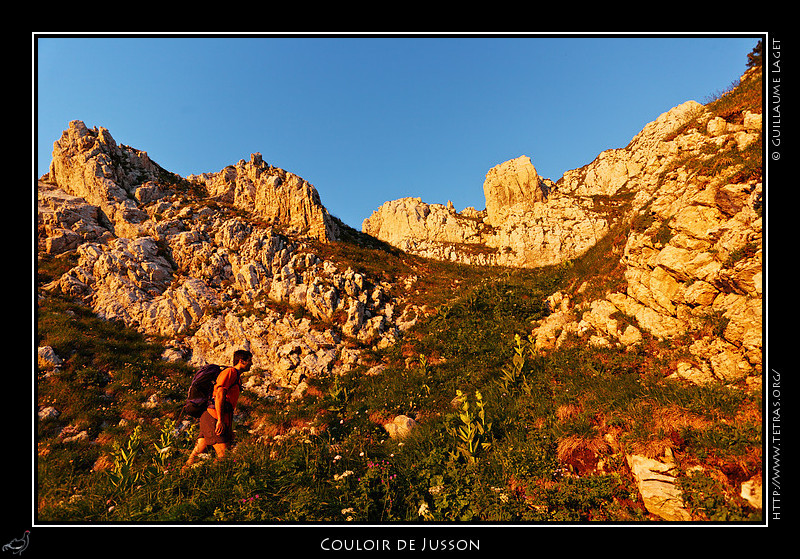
x=216, y=422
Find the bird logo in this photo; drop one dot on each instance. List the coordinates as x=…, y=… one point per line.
x=18, y=545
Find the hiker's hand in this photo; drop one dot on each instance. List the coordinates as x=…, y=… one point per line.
x=220, y=427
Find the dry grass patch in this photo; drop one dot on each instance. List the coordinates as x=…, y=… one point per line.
x=582, y=454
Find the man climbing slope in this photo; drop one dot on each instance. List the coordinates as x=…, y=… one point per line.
x=216, y=422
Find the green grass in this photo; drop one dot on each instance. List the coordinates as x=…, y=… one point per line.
x=542, y=423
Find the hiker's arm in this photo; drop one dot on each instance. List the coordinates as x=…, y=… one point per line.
x=224, y=382
x=219, y=401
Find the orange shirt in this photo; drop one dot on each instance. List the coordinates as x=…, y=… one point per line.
x=227, y=380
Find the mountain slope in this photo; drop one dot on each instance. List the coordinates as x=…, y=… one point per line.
x=532, y=394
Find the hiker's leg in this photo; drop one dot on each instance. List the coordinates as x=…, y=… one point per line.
x=221, y=449
x=198, y=448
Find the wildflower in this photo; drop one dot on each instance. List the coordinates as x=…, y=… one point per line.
x=424, y=511
x=503, y=496
x=343, y=475
x=337, y=457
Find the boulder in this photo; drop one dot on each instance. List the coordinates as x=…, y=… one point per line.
x=47, y=358
x=657, y=485
x=400, y=426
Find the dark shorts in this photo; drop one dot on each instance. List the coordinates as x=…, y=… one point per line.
x=207, y=426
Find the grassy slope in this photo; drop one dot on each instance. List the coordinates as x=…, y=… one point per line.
x=547, y=432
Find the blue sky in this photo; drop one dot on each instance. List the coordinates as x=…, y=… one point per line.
x=369, y=119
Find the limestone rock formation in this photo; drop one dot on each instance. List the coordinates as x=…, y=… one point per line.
x=631, y=167
x=693, y=257
x=154, y=257
x=692, y=261
x=525, y=223
x=121, y=180
x=510, y=185
x=531, y=221
x=65, y=221
x=88, y=163
x=281, y=197
x=432, y=230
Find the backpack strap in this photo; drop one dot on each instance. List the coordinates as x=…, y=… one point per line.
x=211, y=402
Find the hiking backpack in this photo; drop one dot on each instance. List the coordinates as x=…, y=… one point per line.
x=201, y=389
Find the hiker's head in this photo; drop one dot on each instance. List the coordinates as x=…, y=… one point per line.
x=242, y=356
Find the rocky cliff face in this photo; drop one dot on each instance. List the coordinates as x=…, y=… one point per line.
x=190, y=269
x=282, y=198
x=526, y=223
x=692, y=260
x=121, y=181
x=194, y=270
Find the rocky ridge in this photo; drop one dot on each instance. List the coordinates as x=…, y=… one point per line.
x=198, y=273
x=281, y=197
x=692, y=258
x=526, y=223
x=692, y=261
